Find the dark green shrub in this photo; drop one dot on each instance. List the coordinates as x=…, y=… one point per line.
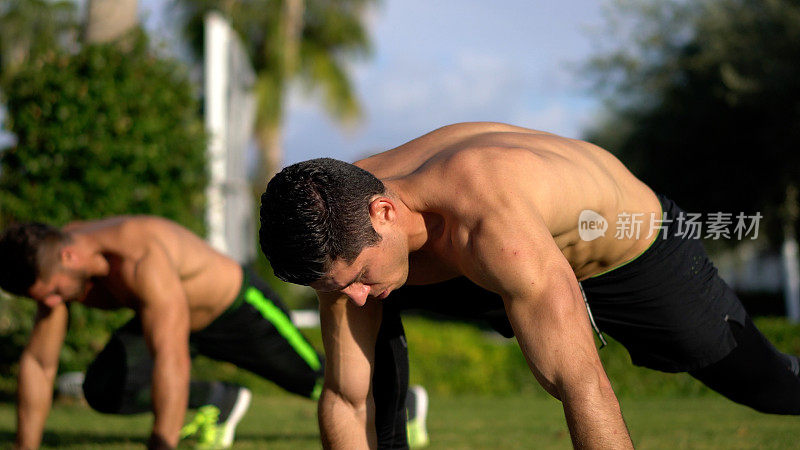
x=103, y=132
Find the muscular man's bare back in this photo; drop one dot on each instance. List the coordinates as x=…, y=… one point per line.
x=209, y=279
x=459, y=175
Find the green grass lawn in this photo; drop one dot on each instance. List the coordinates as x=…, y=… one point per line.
x=462, y=422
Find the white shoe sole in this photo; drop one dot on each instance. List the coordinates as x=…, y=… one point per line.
x=237, y=413
x=421, y=406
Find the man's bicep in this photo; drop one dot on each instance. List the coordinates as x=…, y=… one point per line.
x=164, y=309
x=349, y=333
x=542, y=298
x=553, y=331
x=165, y=326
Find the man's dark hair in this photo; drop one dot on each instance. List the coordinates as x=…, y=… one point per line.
x=314, y=213
x=27, y=252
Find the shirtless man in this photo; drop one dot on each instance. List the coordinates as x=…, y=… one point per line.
x=185, y=294
x=482, y=220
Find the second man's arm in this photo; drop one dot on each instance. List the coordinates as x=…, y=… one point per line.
x=164, y=313
x=38, y=365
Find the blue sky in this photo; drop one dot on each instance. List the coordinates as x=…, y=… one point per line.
x=444, y=61
x=440, y=62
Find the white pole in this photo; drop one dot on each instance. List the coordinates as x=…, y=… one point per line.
x=789, y=252
x=216, y=86
x=792, y=279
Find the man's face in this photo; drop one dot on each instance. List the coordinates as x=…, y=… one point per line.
x=376, y=272
x=63, y=285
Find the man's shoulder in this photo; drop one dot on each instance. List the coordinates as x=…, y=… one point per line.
x=141, y=228
x=129, y=238
x=478, y=169
x=116, y=224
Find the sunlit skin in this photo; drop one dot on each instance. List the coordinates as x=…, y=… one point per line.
x=97, y=268
x=499, y=205
x=174, y=281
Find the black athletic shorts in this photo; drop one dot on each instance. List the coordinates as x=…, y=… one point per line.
x=257, y=334
x=668, y=306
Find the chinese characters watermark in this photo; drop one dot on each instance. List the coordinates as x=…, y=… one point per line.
x=717, y=225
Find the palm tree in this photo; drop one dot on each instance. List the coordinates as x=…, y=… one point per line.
x=288, y=39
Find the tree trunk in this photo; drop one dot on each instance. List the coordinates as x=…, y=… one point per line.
x=270, y=142
x=270, y=136
x=109, y=20
x=293, y=11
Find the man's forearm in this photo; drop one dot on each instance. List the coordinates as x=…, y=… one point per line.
x=35, y=395
x=170, y=396
x=345, y=426
x=594, y=417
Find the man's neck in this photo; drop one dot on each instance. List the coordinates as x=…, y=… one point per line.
x=412, y=223
x=92, y=251
x=416, y=231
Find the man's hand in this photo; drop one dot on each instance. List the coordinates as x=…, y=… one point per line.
x=37, y=371
x=164, y=312
x=346, y=409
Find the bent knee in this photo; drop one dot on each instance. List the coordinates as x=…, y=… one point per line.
x=101, y=393
x=104, y=383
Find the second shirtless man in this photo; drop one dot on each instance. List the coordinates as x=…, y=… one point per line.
x=186, y=295
x=482, y=220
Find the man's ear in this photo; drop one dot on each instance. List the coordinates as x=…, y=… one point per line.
x=67, y=256
x=382, y=211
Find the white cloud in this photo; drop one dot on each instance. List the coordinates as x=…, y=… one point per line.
x=434, y=65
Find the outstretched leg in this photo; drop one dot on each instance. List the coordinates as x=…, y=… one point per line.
x=755, y=373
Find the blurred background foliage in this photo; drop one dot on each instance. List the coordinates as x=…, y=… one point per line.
x=103, y=132
x=31, y=28
x=703, y=101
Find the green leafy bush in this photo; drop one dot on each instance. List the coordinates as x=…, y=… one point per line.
x=451, y=358
x=100, y=132
x=103, y=132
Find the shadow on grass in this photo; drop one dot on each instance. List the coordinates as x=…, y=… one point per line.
x=77, y=438
x=72, y=438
